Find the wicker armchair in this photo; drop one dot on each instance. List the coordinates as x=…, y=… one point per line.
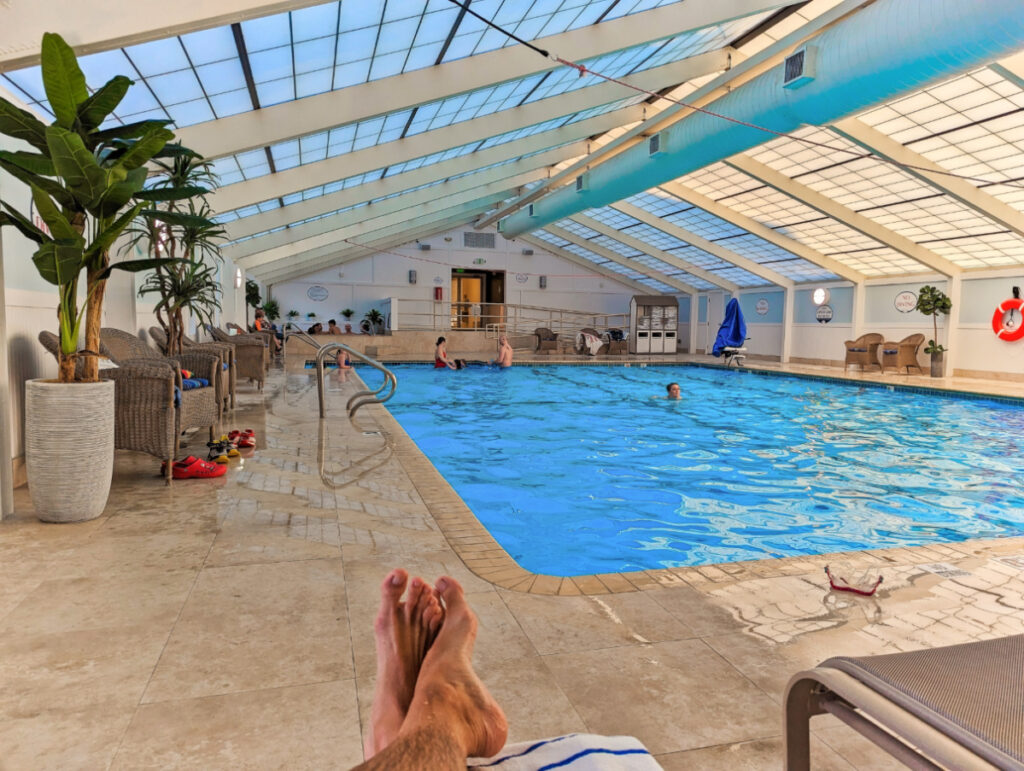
x=252, y=356
x=863, y=351
x=591, y=331
x=902, y=354
x=546, y=340
x=226, y=381
x=198, y=405
x=145, y=418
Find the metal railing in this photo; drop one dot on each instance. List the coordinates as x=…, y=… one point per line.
x=507, y=318
x=360, y=398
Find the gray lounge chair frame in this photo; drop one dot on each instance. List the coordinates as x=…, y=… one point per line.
x=960, y=706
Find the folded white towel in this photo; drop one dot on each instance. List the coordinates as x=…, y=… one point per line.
x=574, y=752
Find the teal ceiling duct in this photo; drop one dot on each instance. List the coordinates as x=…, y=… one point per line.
x=887, y=50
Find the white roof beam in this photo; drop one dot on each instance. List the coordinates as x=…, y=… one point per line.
x=315, y=233
x=89, y=30
x=1011, y=68
x=658, y=254
x=844, y=214
x=965, y=192
x=380, y=228
x=403, y=235
x=425, y=175
x=583, y=262
x=752, y=226
x=608, y=254
x=727, y=255
x=667, y=112
x=368, y=159
x=270, y=125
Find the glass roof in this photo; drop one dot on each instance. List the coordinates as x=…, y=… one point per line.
x=603, y=262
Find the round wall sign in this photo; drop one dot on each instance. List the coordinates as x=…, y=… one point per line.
x=522, y=278
x=905, y=301
x=317, y=293
x=824, y=314
x=438, y=280
x=761, y=307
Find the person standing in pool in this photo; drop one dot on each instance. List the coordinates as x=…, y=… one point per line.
x=673, y=391
x=504, y=353
x=441, y=359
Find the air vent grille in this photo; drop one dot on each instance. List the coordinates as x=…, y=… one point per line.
x=475, y=240
x=799, y=67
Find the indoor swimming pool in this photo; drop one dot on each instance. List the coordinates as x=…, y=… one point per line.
x=584, y=470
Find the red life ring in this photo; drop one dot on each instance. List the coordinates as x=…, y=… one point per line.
x=1002, y=331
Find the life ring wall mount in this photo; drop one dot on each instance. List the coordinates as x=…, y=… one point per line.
x=1008, y=319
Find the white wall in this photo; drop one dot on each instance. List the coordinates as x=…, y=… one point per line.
x=362, y=283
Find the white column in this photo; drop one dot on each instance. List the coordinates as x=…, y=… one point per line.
x=859, y=309
x=694, y=316
x=952, y=322
x=787, y=322
x=6, y=459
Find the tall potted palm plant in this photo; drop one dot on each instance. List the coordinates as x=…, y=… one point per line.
x=87, y=184
x=932, y=301
x=183, y=230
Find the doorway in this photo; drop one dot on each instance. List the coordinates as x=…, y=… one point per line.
x=478, y=298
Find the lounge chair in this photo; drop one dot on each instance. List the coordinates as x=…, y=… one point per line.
x=546, y=340
x=960, y=706
x=251, y=353
x=197, y=406
x=226, y=353
x=863, y=351
x=902, y=354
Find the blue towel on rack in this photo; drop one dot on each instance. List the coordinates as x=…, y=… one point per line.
x=733, y=332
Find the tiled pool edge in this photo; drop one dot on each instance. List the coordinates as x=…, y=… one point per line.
x=487, y=559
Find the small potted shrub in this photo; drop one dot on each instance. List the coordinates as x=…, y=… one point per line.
x=272, y=309
x=376, y=320
x=932, y=301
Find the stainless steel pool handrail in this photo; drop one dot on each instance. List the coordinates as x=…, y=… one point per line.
x=360, y=398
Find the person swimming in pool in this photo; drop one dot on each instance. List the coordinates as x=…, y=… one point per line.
x=673, y=391
x=441, y=359
x=504, y=353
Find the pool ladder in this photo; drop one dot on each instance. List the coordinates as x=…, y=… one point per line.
x=360, y=398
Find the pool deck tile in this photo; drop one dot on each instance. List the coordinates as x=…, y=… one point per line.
x=191, y=625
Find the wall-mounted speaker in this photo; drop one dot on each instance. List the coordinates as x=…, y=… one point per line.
x=412, y=276
x=543, y=282
x=527, y=252
x=424, y=247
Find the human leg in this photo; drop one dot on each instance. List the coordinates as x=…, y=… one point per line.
x=403, y=631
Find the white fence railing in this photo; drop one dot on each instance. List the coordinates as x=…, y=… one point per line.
x=497, y=318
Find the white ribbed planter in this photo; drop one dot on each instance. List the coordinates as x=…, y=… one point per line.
x=69, y=448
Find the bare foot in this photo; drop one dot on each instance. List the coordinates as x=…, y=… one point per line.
x=404, y=632
x=449, y=696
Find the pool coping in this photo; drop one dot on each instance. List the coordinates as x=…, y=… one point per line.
x=482, y=555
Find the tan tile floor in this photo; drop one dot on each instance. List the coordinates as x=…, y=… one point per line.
x=227, y=623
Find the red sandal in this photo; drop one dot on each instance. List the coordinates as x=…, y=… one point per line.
x=194, y=468
x=244, y=440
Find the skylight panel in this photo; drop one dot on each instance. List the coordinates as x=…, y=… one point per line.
x=197, y=111
x=210, y=45
x=268, y=32
x=158, y=56
x=315, y=21
x=272, y=64
x=222, y=76
x=313, y=55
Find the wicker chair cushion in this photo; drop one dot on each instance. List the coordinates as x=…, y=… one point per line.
x=194, y=382
x=857, y=350
x=891, y=350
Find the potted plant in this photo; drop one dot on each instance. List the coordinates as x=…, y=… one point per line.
x=272, y=309
x=252, y=297
x=87, y=185
x=188, y=236
x=376, y=320
x=292, y=315
x=311, y=315
x=348, y=313
x=932, y=301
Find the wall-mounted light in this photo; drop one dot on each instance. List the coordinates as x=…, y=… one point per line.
x=820, y=296
x=543, y=282
x=527, y=252
x=412, y=276
x=238, y=278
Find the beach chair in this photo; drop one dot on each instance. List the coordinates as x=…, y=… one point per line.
x=902, y=354
x=863, y=351
x=960, y=706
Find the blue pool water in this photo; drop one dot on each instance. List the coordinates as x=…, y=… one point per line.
x=579, y=470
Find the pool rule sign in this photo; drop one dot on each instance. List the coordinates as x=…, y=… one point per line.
x=824, y=314
x=905, y=301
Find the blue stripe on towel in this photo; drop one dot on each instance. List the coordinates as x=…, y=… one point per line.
x=584, y=753
x=527, y=751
